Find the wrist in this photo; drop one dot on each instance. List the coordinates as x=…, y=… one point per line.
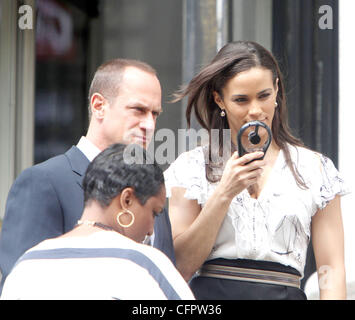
x=223, y=195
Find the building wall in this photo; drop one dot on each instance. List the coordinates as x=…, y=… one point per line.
x=150, y=31
x=346, y=154
x=16, y=91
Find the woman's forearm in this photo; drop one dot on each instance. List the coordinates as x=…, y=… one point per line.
x=193, y=246
x=195, y=237
x=328, y=247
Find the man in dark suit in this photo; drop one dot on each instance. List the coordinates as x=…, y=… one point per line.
x=46, y=200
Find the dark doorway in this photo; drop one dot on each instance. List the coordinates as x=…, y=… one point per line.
x=308, y=57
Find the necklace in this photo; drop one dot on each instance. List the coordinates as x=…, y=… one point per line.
x=94, y=224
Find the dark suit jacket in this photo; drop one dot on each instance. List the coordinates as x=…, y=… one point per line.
x=47, y=200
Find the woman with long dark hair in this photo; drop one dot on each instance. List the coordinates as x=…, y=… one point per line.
x=241, y=226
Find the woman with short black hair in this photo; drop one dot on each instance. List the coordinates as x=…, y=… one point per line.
x=103, y=257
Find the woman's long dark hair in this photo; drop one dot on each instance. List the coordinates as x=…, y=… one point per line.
x=233, y=58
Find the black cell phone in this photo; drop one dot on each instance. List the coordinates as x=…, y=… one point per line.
x=253, y=136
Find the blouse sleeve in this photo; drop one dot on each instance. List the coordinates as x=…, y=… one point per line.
x=330, y=184
x=188, y=172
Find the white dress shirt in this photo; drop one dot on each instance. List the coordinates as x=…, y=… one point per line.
x=88, y=148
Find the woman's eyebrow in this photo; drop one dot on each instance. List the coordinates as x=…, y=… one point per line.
x=239, y=96
x=245, y=95
x=265, y=90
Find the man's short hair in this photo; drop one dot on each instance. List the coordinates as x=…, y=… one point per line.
x=108, y=77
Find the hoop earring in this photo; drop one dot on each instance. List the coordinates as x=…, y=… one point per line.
x=223, y=114
x=120, y=214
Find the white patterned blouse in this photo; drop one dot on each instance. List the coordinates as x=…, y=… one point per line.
x=276, y=226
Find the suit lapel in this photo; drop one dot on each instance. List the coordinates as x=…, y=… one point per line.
x=78, y=163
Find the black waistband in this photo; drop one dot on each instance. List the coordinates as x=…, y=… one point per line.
x=254, y=264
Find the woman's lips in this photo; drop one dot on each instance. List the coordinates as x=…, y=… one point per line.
x=263, y=120
x=142, y=139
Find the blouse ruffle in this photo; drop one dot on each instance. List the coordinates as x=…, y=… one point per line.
x=321, y=176
x=188, y=172
x=332, y=183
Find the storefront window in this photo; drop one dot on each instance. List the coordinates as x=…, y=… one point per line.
x=61, y=77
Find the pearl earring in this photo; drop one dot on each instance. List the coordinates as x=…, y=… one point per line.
x=223, y=114
x=276, y=104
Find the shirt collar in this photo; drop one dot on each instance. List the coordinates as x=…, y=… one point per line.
x=88, y=148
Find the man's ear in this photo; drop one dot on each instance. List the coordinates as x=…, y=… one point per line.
x=97, y=105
